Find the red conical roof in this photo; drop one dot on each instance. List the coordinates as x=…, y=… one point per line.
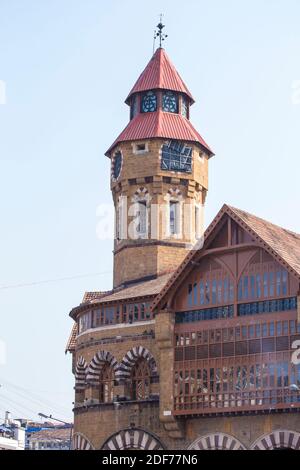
x=160, y=125
x=160, y=73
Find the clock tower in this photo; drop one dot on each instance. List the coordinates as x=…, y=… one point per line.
x=159, y=176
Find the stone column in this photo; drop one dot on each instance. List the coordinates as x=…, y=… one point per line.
x=164, y=335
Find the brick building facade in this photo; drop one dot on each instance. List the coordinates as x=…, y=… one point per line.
x=196, y=346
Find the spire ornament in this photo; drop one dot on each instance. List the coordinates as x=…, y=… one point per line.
x=159, y=31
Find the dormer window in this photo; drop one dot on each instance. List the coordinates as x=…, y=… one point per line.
x=149, y=102
x=184, y=107
x=170, y=102
x=133, y=107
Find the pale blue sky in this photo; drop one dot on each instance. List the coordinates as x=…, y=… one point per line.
x=68, y=66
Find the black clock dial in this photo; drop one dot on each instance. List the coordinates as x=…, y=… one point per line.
x=117, y=164
x=169, y=103
x=149, y=102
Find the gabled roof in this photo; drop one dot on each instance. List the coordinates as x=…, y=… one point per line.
x=281, y=243
x=161, y=125
x=160, y=73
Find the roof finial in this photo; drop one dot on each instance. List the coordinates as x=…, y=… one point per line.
x=159, y=31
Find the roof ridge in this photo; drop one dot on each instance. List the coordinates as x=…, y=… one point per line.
x=160, y=73
x=238, y=211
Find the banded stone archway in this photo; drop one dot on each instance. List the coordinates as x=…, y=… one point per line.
x=134, y=438
x=80, y=442
x=80, y=373
x=130, y=359
x=96, y=365
x=279, y=439
x=216, y=441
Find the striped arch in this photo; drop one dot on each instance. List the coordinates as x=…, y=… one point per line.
x=279, y=439
x=96, y=365
x=130, y=359
x=80, y=372
x=132, y=439
x=216, y=441
x=80, y=442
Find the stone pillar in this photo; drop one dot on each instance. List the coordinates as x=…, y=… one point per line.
x=164, y=334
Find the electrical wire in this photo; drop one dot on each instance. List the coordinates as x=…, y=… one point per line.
x=41, y=403
x=17, y=406
x=34, y=398
x=48, y=281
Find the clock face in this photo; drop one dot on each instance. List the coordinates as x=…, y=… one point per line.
x=169, y=103
x=176, y=156
x=149, y=102
x=117, y=164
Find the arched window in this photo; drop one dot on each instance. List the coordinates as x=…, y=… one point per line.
x=174, y=217
x=142, y=218
x=263, y=278
x=106, y=388
x=140, y=381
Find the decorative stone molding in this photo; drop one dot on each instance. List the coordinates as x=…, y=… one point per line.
x=129, y=360
x=132, y=439
x=216, y=441
x=80, y=374
x=141, y=194
x=96, y=365
x=279, y=439
x=80, y=442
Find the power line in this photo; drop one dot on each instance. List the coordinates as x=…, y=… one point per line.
x=48, y=281
x=38, y=402
x=18, y=406
x=35, y=398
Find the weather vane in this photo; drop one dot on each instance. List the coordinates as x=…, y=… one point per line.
x=159, y=32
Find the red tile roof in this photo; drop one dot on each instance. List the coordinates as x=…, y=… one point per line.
x=96, y=295
x=57, y=434
x=71, y=344
x=160, y=73
x=138, y=290
x=161, y=125
x=281, y=243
